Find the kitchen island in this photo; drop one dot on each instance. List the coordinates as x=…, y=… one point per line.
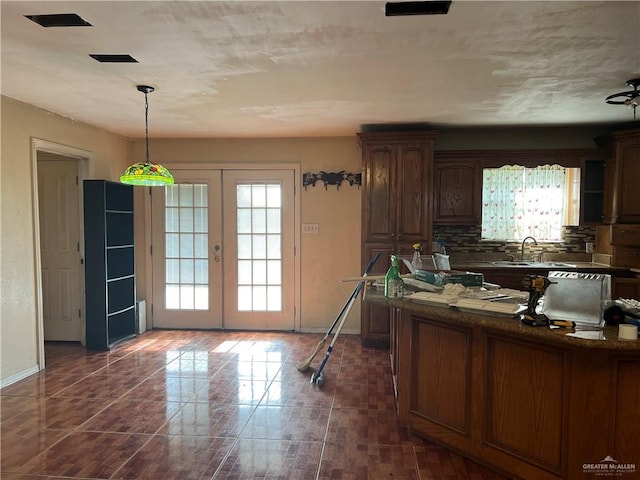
x=532, y=402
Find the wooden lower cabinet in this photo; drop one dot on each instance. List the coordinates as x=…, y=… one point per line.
x=530, y=409
x=626, y=288
x=526, y=406
x=375, y=319
x=440, y=401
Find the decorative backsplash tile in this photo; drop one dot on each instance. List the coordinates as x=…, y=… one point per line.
x=464, y=240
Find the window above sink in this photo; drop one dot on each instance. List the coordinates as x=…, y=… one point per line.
x=518, y=201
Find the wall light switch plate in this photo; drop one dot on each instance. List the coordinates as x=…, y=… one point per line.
x=309, y=228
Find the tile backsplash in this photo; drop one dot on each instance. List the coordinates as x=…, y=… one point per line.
x=465, y=241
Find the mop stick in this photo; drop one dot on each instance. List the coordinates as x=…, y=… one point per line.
x=304, y=366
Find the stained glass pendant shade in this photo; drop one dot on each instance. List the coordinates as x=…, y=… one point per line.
x=146, y=173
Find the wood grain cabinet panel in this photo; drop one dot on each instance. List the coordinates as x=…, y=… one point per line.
x=525, y=387
x=375, y=319
x=626, y=288
x=529, y=402
x=626, y=412
x=413, y=186
x=622, y=177
x=442, y=394
x=379, y=194
x=629, y=168
x=397, y=177
x=458, y=192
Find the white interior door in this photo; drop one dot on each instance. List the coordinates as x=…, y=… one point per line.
x=259, y=249
x=223, y=250
x=59, y=212
x=186, y=251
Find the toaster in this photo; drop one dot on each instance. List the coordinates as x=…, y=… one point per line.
x=578, y=297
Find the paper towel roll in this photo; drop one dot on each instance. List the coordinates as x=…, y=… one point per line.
x=627, y=332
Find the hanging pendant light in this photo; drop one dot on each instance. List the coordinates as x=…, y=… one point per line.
x=630, y=98
x=146, y=173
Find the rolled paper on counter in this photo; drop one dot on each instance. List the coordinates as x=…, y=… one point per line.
x=627, y=332
x=563, y=323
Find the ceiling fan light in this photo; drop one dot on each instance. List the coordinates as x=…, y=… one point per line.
x=633, y=102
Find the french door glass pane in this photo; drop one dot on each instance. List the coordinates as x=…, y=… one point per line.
x=186, y=251
x=259, y=239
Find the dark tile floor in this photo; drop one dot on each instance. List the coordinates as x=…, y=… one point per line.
x=214, y=405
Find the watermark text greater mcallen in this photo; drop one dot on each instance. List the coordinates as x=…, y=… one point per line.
x=609, y=467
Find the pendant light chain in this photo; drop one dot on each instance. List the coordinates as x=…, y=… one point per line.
x=145, y=173
x=146, y=124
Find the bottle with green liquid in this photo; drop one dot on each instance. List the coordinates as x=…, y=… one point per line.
x=393, y=284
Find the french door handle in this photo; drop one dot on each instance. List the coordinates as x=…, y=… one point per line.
x=216, y=257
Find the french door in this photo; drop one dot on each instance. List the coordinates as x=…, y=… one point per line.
x=223, y=250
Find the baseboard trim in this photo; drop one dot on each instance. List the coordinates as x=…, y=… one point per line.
x=16, y=377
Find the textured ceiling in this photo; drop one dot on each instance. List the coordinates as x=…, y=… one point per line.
x=315, y=68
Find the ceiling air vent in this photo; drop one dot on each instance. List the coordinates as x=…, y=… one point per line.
x=59, y=20
x=398, y=9
x=113, y=58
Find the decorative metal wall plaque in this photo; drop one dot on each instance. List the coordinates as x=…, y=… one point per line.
x=331, y=178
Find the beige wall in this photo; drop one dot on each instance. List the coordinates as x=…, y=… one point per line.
x=326, y=257
x=19, y=124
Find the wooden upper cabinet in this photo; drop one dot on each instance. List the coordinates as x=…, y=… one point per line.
x=628, y=178
x=622, y=178
x=397, y=179
x=414, y=190
x=458, y=192
x=379, y=200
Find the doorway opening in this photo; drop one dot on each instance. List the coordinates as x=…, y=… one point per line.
x=58, y=172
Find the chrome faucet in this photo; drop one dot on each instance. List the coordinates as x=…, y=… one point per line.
x=522, y=248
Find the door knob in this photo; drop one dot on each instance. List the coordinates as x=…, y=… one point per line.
x=216, y=257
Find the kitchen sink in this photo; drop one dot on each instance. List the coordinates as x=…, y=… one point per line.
x=515, y=263
x=524, y=263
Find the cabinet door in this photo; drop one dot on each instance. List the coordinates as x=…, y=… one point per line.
x=414, y=189
x=626, y=288
x=376, y=319
x=457, y=187
x=525, y=393
x=441, y=401
x=609, y=202
x=629, y=179
x=379, y=193
x=592, y=192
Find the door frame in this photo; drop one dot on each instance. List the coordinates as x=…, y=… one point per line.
x=297, y=176
x=82, y=157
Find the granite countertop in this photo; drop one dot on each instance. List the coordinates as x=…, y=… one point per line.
x=578, y=262
x=606, y=338
x=572, y=266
